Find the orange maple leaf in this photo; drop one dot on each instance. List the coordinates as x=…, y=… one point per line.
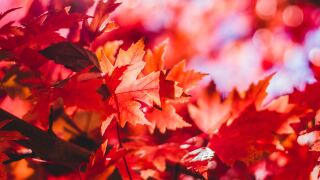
x=210, y=111
x=133, y=92
x=186, y=79
x=166, y=118
x=155, y=59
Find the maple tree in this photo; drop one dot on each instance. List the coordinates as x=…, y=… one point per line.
x=111, y=110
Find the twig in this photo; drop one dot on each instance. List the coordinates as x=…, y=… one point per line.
x=123, y=158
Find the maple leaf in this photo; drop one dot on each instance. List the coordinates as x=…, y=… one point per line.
x=145, y=89
x=127, y=173
x=46, y=95
x=132, y=92
x=168, y=89
x=106, y=55
x=211, y=111
x=41, y=110
x=99, y=23
x=24, y=42
x=54, y=20
x=31, y=59
x=90, y=91
x=101, y=163
x=146, y=153
x=71, y=56
x=200, y=160
x=81, y=90
x=84, y=90
x=306, y=103
x=287, y=164
x=41, y=31
x=249, y=137
x=133, y=55
x=155, y=59
x=166, y=118
x=185, y=79
x=308, y=98
x=255, y=94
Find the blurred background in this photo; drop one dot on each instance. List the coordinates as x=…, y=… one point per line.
x=236, y=41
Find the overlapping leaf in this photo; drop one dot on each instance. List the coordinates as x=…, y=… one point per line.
x=250, y=137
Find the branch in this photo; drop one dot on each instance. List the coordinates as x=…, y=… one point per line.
x=45, y=145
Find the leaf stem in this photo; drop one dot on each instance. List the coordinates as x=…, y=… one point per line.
x=119, y=136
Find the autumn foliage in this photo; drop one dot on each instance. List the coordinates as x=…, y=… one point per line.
x=77, y=103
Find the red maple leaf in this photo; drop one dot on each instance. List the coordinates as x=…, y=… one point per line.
x=145, y=154
x=250, y=137
x=101, y=161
